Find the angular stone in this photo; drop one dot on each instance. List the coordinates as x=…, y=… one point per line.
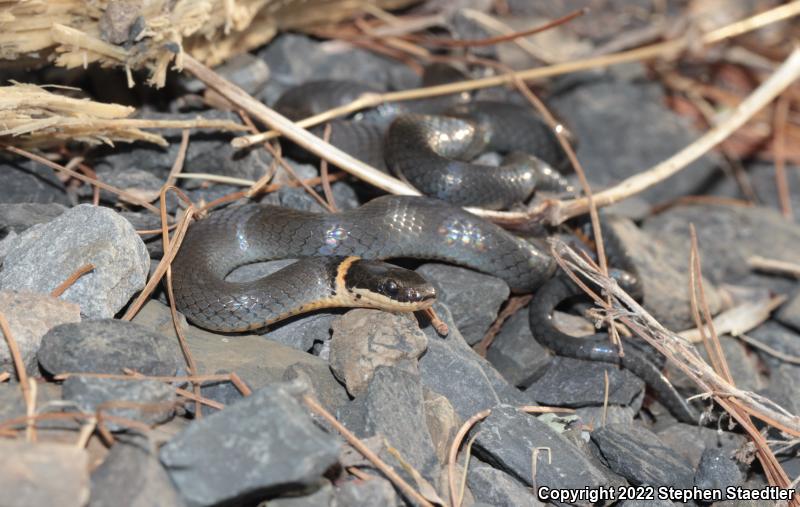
x=717, y=470
x=663, y=273
x=641, y=457
x=44, y=474
x=391, y=405
x=364, y=340
x=691, y=441
x=568, y=382
x=25, y=181
x=30, y=315
x=442, y=422
x=278, y=449
x=320, y=382
x=319, y=497
x=508, y=437
x=728, y=236
x=21, y=216
x=132, y=472
x=357, y=493
x=85, y=234
x=515, y=353
x=595, y=417
x=256, y=360
x=48, y=401
x=108, y=346
x=495, y=487
x=473, y=298
x=451, y=368
x=659, y=133
x=304, y=331
x=155, y=399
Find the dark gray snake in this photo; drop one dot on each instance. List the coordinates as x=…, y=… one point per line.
x=386, y=227
x=434, y=152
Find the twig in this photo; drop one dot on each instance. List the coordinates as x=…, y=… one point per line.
x=514, y=304
x=779, y=143
x=323, y=172
x=177, y=166
x=381, y=465
x=66, y=284
x=774, y=266
x=786, y=74
x=769, y=350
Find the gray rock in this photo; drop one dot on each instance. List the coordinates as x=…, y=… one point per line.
x=320, y=497
x=497, y=488
x=43, y=473
x=568, y=382
x=610, y=157
x=595, y=417
x=279, y=449
x=84, y=234
x=786, y=341
x=508, y=437
x=691, y=441
x=257, y=361
x=139, y=182
x=320, y=382
x=473, y=298
x=784, y=384
x=515, y=353
x=641, y=457
x=789, y=312
x=154, y=401
x=30, y=315
x=357, y=493
x=451, y=368
x=442, y=422
x=48, y=401
x=6, y=243
x=224, y=392
x=303, y=332
x=132, y=472
x=246, y=71
x=25, y=181
x=390, y=407
x=762, y=179
x=108, y=346
x=717, y=471
x=21, y=216
x=663, y=272
x=728, y=236
x=364, y=340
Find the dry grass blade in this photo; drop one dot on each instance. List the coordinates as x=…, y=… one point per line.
x=739, y=319
x=381, y=465
x=774, y=266
x=71, y=279
x=676, y=349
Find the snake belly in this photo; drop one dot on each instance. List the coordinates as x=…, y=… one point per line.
x=386, y=227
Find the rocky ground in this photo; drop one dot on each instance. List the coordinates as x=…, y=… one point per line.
x=117, y=423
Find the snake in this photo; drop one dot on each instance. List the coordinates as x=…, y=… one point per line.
x=341, y=259
x=638, y=358
x=432, y=144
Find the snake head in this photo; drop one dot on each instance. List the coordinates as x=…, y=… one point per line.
x=376, y=284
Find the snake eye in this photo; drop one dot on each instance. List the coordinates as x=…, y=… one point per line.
x=391, y=288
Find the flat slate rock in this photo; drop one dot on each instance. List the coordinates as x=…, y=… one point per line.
x=515, y=353
x=257, y=360
x=568, y=382
x=691, y=441
x=320, y=497
x=641, y=457
x=261, y=447
x=364, y=340
x=108, y=346
x=30, y=315
x=789, y=312
x=663, y=273
x=43, y=473
x=392, y=406
x=451, y=368
x=25, y=181
x=157, y=398
x=21, y=216
x=612, y=156
x=82, y=235
x=495, y=487
x=717, y=470
x=728, y=235
x=473, y=298
x=507, y=438
x=133, y=472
